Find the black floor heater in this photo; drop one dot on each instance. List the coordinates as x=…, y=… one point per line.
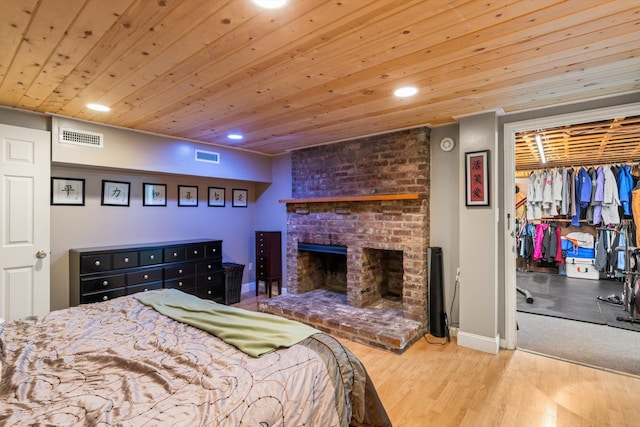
x=438, y=324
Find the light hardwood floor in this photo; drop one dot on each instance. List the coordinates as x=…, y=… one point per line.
x=447, y=385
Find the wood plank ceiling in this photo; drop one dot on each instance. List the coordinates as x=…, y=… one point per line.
x=586, y=144
x=314, y=72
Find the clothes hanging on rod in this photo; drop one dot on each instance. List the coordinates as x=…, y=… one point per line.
x=597, y=195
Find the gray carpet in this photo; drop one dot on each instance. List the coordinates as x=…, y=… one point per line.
x=567, y=321
x=585, y=343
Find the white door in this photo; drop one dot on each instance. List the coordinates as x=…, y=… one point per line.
x=25, y=170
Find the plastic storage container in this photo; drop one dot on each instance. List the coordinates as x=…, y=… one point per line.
x=232, y=282
x=581, y=268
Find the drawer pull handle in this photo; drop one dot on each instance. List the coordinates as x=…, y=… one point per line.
x=179, y=283
x=146, y=276
x=209, y=278
x=195, y=252
x=145, y=289
x=175, y=254
x=209, y=292
x=214, y=249
x=97, y=263
x=104, y=298
x=105, y=283
x=152, y=257
x=180, y=271
x=126, y=260
x=209, y=266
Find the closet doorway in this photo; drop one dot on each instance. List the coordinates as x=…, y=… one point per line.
x=566, y=319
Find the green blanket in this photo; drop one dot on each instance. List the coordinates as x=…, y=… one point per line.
x=252, y=333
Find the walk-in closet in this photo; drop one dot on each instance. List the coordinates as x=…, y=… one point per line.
x=577, y=241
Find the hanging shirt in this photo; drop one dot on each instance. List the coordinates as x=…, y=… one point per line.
x=558, y=188
x=548, y=203
x=625, y=185
x=564, y=206
x=575, y=216
x=598, y=196
x=610, y=200
x=534, y=196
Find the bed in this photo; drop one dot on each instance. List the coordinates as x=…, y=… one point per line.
x=124, y=362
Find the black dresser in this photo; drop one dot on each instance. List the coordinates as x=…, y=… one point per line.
x=103, y=273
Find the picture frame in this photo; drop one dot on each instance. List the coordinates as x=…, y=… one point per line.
x=239, y=198
x=187, y=196
x=216, y=197
x=154, y=194
x=476, y=172
x=67, y=191
x=115, y=193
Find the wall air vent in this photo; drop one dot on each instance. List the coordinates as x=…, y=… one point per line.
x=81, y=137
x=207, y=156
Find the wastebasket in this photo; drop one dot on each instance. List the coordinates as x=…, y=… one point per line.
x=232, y=282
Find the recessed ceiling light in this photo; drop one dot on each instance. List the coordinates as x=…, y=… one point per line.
x=98, y=107
x=235, y=136
x=406, y=91
x=271, y=4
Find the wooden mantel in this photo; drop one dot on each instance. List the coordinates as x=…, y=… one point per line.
x=368, y=198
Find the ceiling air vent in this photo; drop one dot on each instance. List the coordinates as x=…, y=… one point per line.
x=207, y=156
x=84, y=138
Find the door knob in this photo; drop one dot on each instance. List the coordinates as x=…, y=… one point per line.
x=41, y=254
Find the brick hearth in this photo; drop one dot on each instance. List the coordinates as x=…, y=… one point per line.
x=384, y=328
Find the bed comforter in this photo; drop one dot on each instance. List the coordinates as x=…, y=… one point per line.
x=121, y=362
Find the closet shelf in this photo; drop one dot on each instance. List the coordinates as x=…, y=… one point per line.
x=373, y=197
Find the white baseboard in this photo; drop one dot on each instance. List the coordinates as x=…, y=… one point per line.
x=479, y=342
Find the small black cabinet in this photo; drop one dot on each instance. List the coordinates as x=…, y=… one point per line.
x=103, y=273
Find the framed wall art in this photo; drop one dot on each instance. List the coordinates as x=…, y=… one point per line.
x=67, y=191
x=216, y=197
x=239, y=198
x=154, y=194
x=115, y=193
x=476, y=172
x=187, y=196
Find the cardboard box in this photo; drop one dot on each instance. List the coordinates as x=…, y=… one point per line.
x=581, y=268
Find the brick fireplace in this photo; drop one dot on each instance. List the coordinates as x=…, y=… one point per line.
x=368, y=200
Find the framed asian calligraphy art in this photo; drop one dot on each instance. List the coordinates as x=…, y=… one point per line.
x=115, y=193
x=154, y=194
x=67, y=191
x=476, y=172
x=187, y=195
x=239, y=198
x=216, y=197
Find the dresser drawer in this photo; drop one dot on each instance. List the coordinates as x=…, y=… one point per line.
x=95, y=263
x=144, y=276
x=150, y=257
x=125, y=259
x=184, y=284
x=175, y=253
x=209, y=266
x=212, y=277
x=96, y=284
x=144, y=287
x=213, y=290
x=178, y=271
x=102, y=296
x=214, y=249
x=195, y=252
